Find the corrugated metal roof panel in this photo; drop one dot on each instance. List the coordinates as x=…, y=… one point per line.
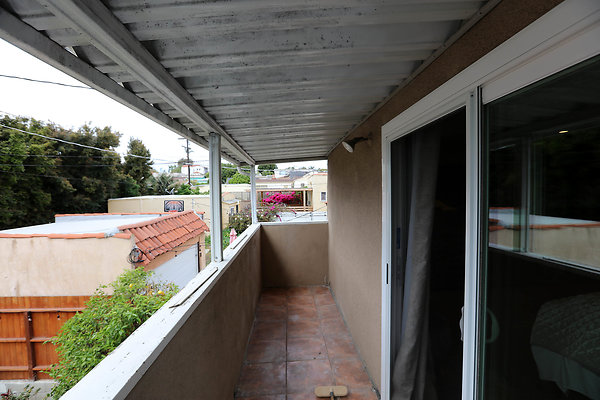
x=284, y=79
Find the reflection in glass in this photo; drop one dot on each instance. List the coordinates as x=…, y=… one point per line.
x=543, y=255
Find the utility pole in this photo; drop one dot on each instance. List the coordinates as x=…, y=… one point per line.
x=188, y=162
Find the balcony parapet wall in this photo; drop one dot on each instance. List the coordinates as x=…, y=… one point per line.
x=193, y=347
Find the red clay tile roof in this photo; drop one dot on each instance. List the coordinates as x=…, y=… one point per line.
x=157, y=236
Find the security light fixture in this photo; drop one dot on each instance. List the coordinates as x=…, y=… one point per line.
x=563, y=131
x=135, y=255
x=350, y=144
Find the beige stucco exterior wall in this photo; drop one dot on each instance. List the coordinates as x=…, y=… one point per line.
x=206, y=355
x=163, y=258
x=294, y=254
x=354, y=189
x=318, y=183
x=40, y=266
x=144, y=204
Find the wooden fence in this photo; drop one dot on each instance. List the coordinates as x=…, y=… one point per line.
x=25, y=324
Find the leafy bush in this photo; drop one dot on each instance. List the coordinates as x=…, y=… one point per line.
x=184, y=188
x=238, y=178
x=89, y=336
x=226, y=232
x=241, y=221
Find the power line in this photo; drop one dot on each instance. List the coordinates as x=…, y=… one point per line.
x=78, y=144
x=38, y=175
x=246, y=169
x=69, y=142
x=74, y=143
x=58, y=176
x=71, y=156
x=49, y=155
x=42, y=81
x=60, y=165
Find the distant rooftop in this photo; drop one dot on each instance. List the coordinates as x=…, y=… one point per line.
x=106, y=224
x=165, y=230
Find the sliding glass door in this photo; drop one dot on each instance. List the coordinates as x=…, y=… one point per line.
x=542, y=278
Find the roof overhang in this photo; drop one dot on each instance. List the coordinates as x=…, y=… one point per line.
x=279, y=81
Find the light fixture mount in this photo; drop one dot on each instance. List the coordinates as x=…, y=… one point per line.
x=350, y=144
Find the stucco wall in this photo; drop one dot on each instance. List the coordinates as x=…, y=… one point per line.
x=354, y=187
x=40, y=266
x=142, y=204
x=181, y=268
x=294, y=254
x=204, y=358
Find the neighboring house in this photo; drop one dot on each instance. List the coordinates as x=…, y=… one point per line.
x=317, y=181
x=79, y=252
x=196, y=174
x=200, y=203
x=234, y=205
x=240, y=192
x=281, y=179
x=470, y=107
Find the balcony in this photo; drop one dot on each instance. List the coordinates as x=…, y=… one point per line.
x=260, y=324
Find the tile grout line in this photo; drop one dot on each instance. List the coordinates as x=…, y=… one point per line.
x=286, y=343
x=334, y=380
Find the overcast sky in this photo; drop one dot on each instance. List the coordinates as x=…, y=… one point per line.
x=73, y=107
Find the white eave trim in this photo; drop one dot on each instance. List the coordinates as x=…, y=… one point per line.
x=573, y=22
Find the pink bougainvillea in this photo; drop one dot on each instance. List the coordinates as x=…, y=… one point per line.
x=279, y=198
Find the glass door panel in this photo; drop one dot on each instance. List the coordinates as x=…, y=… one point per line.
x=542, y=338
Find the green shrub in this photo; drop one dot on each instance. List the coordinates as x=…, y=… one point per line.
x=268, y=213
x=240, y=222
x=238, y=178
x=108, y=319
x=226, y=232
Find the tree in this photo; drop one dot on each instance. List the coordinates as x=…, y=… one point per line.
x=239, y=178
x=40, y=177
x=183, y=188
x=28, y=175
x=95, y=174
x=139, y=168
x=177, y=168
x=267, y=169
x=162, y=184
x=227, y=171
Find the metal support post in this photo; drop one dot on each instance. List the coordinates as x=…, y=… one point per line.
x=216, y=227
x=253, y=205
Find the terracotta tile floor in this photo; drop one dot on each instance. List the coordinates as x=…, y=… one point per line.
x=299, y=341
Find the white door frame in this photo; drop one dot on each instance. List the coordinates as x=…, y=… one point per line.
x=563, y=37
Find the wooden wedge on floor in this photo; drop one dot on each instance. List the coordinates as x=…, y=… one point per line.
x=331, y=391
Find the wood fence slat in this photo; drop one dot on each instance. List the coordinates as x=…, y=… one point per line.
x=12, y=368
x=12, y=340
x=26, y=323
x=40, y=310
x=28, y=320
